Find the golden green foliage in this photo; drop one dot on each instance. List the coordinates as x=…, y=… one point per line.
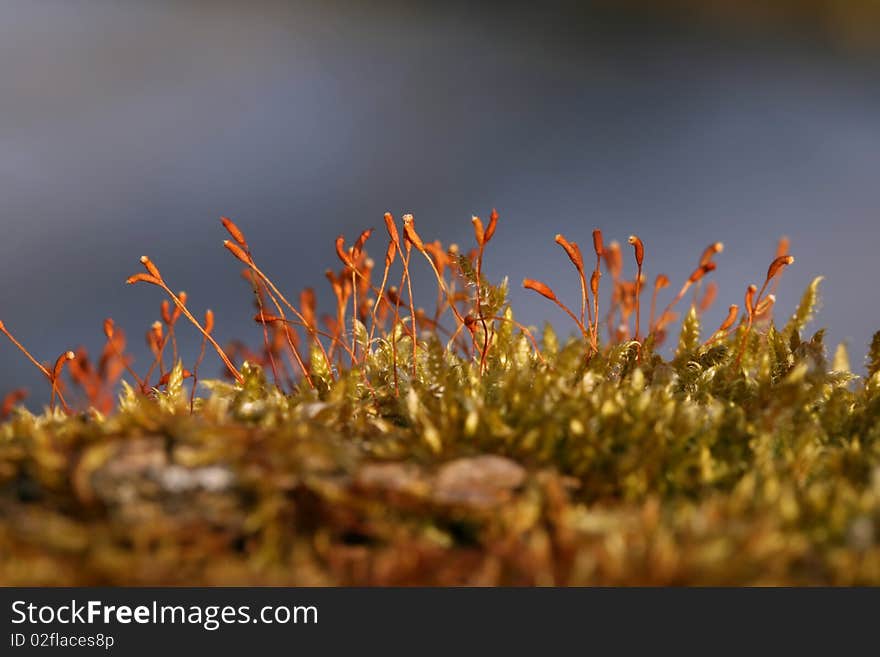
x=747, y=459
x=874, y=355
x=806, y=308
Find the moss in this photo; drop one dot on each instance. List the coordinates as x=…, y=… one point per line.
x=748, y=459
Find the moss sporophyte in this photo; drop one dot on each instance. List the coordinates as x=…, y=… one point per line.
x=390, y=441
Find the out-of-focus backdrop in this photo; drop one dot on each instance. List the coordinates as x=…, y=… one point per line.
x=129, y=127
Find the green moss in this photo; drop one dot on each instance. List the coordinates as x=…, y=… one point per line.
x=620, y=468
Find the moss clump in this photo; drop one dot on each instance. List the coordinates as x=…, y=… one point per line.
x=749, y=458
x=624, y=469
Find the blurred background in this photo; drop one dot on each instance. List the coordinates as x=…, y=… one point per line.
x=128, y=128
